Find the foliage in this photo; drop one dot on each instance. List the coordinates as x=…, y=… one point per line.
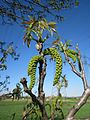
x=72, y=54
x=19, y=10
x=16, y=93
x=56, y=107
x=35, y=29
x=5, y=51
x=32, y=111
x=3, y=84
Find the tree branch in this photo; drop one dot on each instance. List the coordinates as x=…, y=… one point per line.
x=86, y=92
x=80, y=74
x=72, y=66
x=19, y=10
x=83, y=77
x=81, y=102
x=35, y=99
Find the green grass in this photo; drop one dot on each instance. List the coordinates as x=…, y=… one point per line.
x=8, y=107
x=83, y=113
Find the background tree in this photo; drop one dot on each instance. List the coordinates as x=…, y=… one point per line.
x=4, y=84
x=5, y=51
x=17, y=92
x=17, y=10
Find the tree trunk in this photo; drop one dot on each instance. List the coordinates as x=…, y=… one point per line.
x=41, y=94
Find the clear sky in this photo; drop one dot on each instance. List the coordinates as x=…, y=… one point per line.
x=76, y=27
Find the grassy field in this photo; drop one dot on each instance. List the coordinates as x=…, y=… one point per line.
x=9, y=107
x=83, y=113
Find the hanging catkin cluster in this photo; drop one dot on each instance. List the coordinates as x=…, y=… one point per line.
x=55, y=55
x=32, y=69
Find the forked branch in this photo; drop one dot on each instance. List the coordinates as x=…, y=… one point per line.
x=86, y=92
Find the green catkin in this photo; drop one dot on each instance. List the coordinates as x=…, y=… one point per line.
x=32, y=69
x=55, y=55
x=71, y=54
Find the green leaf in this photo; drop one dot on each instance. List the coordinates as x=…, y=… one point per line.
x=77, y=3
x=52, y=24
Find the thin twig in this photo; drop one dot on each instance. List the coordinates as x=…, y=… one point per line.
x=83, y=77
x=72, y=66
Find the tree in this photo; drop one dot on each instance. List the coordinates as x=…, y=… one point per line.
x=34, y=31
x=5, y=51
x=17, y=92
x=3, y=84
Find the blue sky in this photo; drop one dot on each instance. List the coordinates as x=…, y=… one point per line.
x=76, y=27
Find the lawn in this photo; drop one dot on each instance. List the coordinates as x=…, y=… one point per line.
x=8, y=108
